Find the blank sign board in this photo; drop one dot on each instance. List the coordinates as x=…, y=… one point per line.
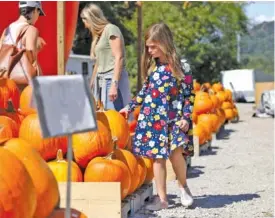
x=64, y=105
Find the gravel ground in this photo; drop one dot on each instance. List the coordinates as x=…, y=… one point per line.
x=235, y=179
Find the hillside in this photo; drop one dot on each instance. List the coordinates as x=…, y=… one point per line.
x=257, y=47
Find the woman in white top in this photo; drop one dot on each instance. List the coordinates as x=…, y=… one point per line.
x=29, y=14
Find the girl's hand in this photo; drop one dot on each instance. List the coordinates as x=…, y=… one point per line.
x=124, y=112
x=183, y=125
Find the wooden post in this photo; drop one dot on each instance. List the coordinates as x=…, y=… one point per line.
x=139, y=43
x=60, y=37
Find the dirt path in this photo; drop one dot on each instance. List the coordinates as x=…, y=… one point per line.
x=235, y=179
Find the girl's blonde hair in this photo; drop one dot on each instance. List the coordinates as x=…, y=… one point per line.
x=95, y=17
x=161, y=34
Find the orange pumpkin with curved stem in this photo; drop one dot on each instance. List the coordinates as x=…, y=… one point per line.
x=60, y=213
x=117, y=124
x=18, y=196
x=8, y=91
x=89, y=145
x=31, y=132
x=25, y=101
x=43, y=179
x=107, y=169
x=59, y=167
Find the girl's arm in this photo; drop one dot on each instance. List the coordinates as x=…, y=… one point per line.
x=138, y=100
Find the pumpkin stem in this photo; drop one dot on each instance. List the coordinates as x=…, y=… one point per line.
x=203, y=88
x=115, y=142
x=10, y=107
x=59, y=155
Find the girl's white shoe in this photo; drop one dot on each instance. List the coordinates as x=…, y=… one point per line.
x=156, y=205
x=186, y=197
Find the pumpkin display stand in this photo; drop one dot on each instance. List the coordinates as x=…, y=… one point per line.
x=103, y=199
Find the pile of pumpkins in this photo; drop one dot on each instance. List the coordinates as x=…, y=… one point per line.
x=31, y=166
x=213, y=106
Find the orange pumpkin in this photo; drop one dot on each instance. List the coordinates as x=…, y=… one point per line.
x=91, y=144
x=18, y=196
x=194, y=117
x=228, y=94
x=203, y=103
x=131, y=162
x=59, y=167
x=199, y=131
x=229, y=114
x=208, y=130
x=221, y=115
x=196, y=86
x=207, y=120
x=215, y=122
x=43, y=179
x=142, y=170
x=11, y=127
x=8, y=91
x=12, y=113
x=149, y=168
x=132, y=126
x=102, y=169
x=136, y=112
x=227, y=105
x=60, y=213
x=216, y=87
x=215, y=100
x=117, y=124
x=221, y=96
x=31, y=132
x=25, y=101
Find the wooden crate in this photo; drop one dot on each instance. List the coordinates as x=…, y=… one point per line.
x=95, y=199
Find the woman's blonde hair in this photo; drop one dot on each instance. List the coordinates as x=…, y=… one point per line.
x=95, y=17
x=161, y=34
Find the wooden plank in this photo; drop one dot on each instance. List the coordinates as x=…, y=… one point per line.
x=60, y=37
x=260, y=88
x=95, y=199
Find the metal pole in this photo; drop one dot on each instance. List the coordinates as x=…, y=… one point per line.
x=139, y=43
x=69, y=159
x=238, y=48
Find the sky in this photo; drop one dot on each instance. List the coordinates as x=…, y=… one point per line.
x=260, y=11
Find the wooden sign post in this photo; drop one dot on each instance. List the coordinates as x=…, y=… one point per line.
x=64, y=107
x=60, y=37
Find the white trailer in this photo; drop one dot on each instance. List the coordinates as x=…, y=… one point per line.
x=80, y=64
x=241, y=82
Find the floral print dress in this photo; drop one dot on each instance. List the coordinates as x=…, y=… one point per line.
x=164, y=101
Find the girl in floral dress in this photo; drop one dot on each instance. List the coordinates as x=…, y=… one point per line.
x=164, y=128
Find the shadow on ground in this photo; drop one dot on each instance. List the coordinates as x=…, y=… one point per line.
x=218, y=201
x=211, y=151
x=225, y=134
x=194, y=172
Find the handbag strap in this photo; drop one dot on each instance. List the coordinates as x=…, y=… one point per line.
x=21, y=34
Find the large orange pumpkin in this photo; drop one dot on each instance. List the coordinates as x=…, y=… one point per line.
x=207, y=120
x=42, y=177
x=228, y=94
x=117, y=124
x=203, y=103
x=129, y=159
x=18, y=196
x=150, y=172
x=106, y=169
x=221, y=96
x=12, y=128
x=25, y=101
x=8, y=91
x=215, y=101
x=31, y=132
x=91, y=144
x=142, y=170
x=59, y=167
x=60, y=213
x=229, y=114
x=199, y=131
x=227, y=105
